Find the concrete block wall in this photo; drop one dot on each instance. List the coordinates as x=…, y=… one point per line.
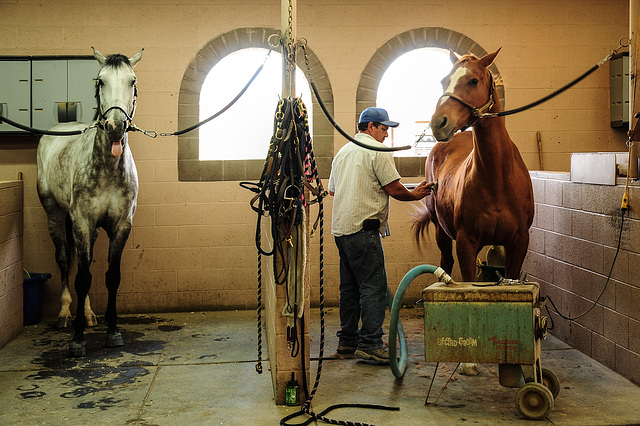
x=574, y=239
x=11, y=228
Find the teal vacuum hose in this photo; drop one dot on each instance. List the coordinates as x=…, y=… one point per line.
x=398, y=367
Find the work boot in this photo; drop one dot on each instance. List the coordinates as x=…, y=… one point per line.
x=380, y=355
x=346, y=350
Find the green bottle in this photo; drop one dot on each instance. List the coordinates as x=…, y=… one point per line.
x=291, y=391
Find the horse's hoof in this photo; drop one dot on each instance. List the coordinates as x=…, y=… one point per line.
x=63, y=322
x=114, y=339
x=92, y=320
x=77, y=349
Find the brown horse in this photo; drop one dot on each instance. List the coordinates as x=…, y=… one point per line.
x=484, y=194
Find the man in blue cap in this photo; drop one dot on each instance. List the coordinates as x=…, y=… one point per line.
x=361, y=181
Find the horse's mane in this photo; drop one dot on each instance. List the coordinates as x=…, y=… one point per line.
x=116, y=61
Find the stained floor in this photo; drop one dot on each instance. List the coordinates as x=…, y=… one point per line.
x=199, y=369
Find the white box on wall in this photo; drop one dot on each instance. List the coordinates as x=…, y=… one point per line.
x=599, y=168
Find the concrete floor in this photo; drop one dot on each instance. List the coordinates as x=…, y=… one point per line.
x=199, y=369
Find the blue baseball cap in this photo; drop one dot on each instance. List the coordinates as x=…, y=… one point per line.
x=377, y=115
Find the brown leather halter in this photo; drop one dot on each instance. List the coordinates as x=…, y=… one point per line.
x=476, y=112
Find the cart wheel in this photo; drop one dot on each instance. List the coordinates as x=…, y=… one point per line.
x=534, y=401
x=550, y=380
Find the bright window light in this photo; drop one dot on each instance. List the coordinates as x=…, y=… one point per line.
x=409, y=91
x=244, y=130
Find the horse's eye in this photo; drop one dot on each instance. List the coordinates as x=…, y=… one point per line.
x=473, y=82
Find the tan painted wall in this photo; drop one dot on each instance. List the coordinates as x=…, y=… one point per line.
x=192, y=243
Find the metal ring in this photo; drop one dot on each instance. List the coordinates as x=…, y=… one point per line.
x=624, y=41
x=271, y=43
x=302, y=42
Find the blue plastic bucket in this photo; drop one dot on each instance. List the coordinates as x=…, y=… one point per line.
x=32, y=290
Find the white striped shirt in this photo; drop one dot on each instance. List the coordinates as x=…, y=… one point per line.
x=357, y=179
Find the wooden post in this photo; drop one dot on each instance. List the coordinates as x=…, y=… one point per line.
x=281, y=361
x=634, y=96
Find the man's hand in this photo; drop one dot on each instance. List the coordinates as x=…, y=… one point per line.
x=423, y=189
x=397, y=190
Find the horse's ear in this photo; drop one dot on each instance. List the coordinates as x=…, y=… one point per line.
x=135, y=58
x=488, y=59
x=99, y=56
x=454, y=56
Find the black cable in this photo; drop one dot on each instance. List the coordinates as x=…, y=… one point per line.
x=176, y=133
x=603, y=289
x=549, y=96
x=233, y=101
x=343, y=133
x=39, y=131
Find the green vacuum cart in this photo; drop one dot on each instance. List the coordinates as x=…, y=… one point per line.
x=476, y=323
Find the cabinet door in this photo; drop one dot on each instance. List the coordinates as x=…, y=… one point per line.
x=619, y=91
x=15, y=93
x=49, y=88
x=81, y=83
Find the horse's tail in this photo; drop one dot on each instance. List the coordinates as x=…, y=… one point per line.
x=421, y=220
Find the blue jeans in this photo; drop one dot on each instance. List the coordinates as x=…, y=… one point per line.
x=363, y=289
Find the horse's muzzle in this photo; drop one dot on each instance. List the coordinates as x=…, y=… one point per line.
x=442, y=127
x=115, y=122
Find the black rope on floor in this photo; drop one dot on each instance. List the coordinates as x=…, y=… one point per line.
x=561, y=315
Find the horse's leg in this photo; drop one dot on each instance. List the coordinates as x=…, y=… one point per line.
x=515, y=254
x=117, y=242
x=58, y=225
x=466, y=251
x=445, y=244
x=91, y=318
x=82, y=285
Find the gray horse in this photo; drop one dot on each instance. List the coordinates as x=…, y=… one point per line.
x=88, y=181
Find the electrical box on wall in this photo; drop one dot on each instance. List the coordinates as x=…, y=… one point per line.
x=619, y=89
x=15, y=92
x=44, y=91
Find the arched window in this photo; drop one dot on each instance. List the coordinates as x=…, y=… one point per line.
x=371, y=82
x=243, y=132
x=190, y=166
x=410, y=88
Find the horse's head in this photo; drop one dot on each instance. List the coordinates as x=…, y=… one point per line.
x=468, y=93
x=116, y=92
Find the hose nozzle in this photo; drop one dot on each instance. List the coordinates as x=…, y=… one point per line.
x=443, y=276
